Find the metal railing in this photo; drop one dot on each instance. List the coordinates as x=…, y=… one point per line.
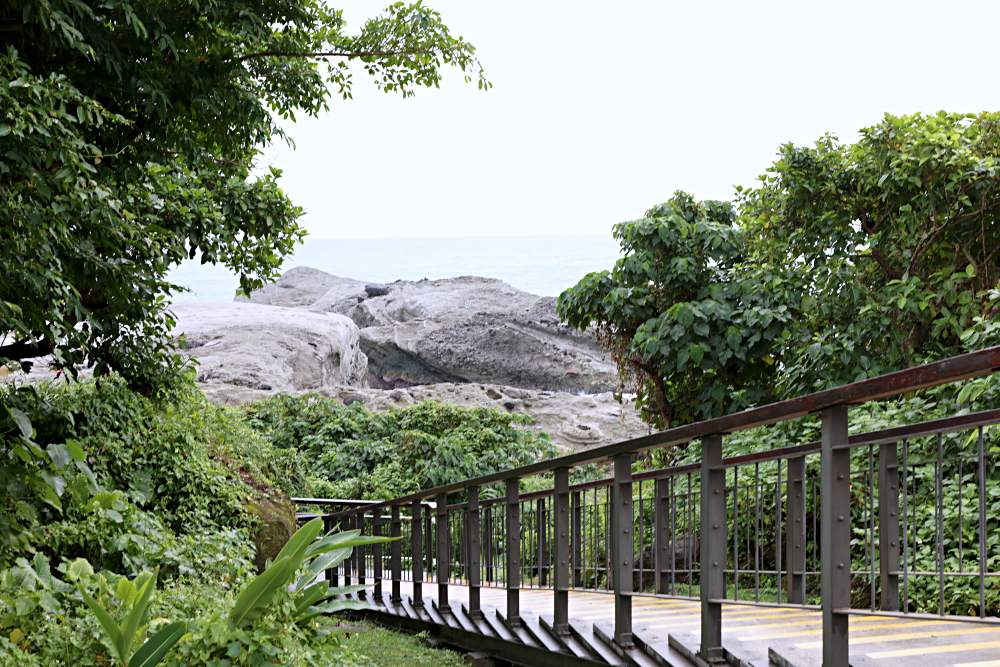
x=831, y=522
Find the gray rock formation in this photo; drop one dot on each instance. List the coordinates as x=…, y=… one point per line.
x=574, y=421
x=466, y=329
x=270, y=348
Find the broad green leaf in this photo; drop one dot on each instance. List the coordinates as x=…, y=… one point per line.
x=255, y=596
x=157, y=646
x=300, y=541
x=135, y=615
x=108, y=624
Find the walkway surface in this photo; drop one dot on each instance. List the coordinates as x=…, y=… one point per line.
x=749, y=631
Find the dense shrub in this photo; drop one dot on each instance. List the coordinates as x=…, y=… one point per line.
x=355, y=453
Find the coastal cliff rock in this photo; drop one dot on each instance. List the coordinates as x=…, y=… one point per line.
x=466, y=329
x=574, y=421
x=270, y=348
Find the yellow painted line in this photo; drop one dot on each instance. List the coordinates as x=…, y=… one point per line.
x=924, y=650
x=907, y=636
x=854, y=627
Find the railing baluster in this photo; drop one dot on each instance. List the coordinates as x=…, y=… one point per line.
x=360, y=566
x=560, y=514
x=428, y=547
x=473, y=533
x=396, y=554
x=577, y=540
x=488, y=540
x=795, y=530
x=540, y=541
x=348, y=524
x=906, y=526
x=443, y=552
x=513, y=537
x=416, y=553
x=660, y=535
x=981, y=462
x=888, y=525
x=713, y=546
x=620, y=530
x=939, y=518
x=756, y=537
x=377, y=555
x=835, y=552
x=736, y=532
x=331, y=572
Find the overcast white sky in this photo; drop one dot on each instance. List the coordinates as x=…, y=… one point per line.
x=601, y=110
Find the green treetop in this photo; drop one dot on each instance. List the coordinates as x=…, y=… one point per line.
x=128, y=134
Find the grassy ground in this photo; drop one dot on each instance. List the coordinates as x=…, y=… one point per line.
x=372, y=644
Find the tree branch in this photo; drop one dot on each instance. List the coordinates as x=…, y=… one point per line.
x=26, y=349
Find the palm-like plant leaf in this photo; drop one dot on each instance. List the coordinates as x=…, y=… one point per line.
x=251, y=601
x=158, y=645
x=111, y=628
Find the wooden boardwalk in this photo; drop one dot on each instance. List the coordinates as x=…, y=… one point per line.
x=749, y=631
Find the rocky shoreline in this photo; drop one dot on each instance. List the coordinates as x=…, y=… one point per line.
x=469, y=341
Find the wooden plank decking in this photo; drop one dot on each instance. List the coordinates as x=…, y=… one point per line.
x=749, y=631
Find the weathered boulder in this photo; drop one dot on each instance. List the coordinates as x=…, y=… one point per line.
x=466, y=329
x=302, y=287
x=275, y=526
x=270, y=347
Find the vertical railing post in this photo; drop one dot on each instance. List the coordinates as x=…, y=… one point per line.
x=396, y=555
x=888, y=525
x=377, y=555
x=513, y=539
x=416, y=553
x=577, y=540
x=621, y=547
x=560, y=514
x=713, y=546
x=443, y=552
x=474, y=561
x=795, y=530
x=661, y=500
x=835, y=522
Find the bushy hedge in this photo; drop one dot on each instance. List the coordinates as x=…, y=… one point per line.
x=352, y=452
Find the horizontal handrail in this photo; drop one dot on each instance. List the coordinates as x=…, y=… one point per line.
x=953, y=369
x=894, y=434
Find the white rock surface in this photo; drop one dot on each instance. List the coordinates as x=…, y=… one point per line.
x=270, y=348
x=466, y=329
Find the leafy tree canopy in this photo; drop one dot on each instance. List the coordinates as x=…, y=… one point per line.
x=128, y=133
x=846, y=261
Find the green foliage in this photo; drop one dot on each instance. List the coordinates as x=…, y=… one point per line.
x=129, y=133
x=135, y=598
x=356, y=453
x=144, y=476
x=893, y=241
x=75, y=588
x=847, y=261
x=690, y=322
x=367, y=643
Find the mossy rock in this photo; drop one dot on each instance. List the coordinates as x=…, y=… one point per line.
x=276, y=524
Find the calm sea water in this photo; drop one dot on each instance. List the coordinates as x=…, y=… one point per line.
x=541, y=265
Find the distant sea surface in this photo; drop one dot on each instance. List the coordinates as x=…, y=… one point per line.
x=543, y=265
